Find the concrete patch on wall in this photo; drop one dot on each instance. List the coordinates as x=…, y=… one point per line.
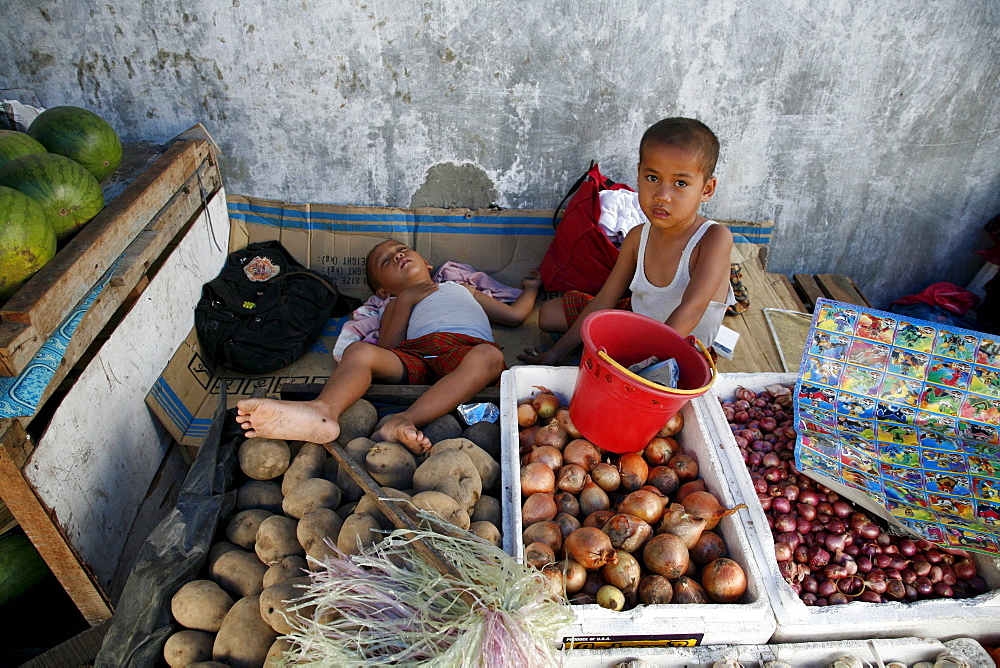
x=449, y=186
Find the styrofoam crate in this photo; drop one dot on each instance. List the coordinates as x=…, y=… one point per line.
x=751, y=622
x=799, y=655
x=977, y=617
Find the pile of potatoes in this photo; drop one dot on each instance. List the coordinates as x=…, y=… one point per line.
x=292, y=499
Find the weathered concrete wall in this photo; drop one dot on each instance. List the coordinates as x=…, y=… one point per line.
x=867, y=130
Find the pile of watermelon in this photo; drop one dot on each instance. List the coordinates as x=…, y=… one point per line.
x=50, y=187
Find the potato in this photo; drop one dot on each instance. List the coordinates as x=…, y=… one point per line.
x=310, y=494
x=200, y=605
x=489, y=468
x=487, y=531
x=274, y=603
x=307, y=464
x=208, y=664
x=242, y=529
x=245, y=638
x=186, y=647
x=444, y=427
x=347, y=509
x=488, y=509
x=453, y=473
x=443, y=506
x=287, y=569
x=264, y=458
x=278, y=648
x=262, y=494
x=357, y=449
x=314, y=528
x=217, y=550
x=486, y=435
x=239, y=573
x=276, y=539
x=358, y=420
x=359, y=531
x=391, y=464
x=367, y=505
x=330, y=469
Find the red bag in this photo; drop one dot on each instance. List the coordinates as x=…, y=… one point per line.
x=580, y=256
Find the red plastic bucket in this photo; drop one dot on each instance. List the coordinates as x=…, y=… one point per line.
x=616, y=409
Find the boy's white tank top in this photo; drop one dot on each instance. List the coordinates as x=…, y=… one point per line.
x=451, y=308
x=659, y=302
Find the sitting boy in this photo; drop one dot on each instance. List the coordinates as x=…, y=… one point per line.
x=430, y=333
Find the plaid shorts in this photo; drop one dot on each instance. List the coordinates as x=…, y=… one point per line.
x=432, y=356
x=574, y=302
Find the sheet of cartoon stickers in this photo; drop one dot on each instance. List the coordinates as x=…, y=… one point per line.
x=907, y=411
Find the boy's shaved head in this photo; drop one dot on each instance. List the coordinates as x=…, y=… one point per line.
x=685, y=133
x=373, y=283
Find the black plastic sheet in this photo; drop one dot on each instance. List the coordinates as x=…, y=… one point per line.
x=175, y=551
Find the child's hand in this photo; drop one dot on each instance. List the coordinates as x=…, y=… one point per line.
x=538, y=356
x=416, y=293
x=532, y=280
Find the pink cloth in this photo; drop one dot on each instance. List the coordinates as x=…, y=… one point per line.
x=366, y=319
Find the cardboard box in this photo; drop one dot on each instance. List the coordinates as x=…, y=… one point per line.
x=749, y=622
x=977, y=617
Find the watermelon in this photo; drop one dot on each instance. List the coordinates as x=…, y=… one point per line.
x=27, y=240
x=81, y=135
x=14, y=144
x=68, y=193
x=21, y=567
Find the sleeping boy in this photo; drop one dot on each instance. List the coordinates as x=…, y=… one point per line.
x=431, y=333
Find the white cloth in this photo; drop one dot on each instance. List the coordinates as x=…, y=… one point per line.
x=620, y=212
x=450, y=308
x=659, y=302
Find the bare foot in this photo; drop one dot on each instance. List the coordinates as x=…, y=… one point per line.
x=288, y=420
x=401, y=430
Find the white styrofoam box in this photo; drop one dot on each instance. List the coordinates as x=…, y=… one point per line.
x=751, y=622
x=977, y=617
x=799, y=655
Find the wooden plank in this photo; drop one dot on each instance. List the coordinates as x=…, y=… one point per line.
x=840, y=288
x=41, y=528
x=792, y=294
x=7, y=521
x=33, y=313
x=808, y=288
x=80, y=650
x=147, y=247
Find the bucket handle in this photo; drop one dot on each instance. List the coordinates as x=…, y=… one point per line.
x=602, y=353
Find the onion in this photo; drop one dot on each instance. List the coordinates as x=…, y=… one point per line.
x=567, y=503
x=539, y=507
x=705, y=505
x=673, y=426
x=545, y=403
x=689, y=591
x=564, y=420
x=543, y=532
x=655, y=589
x=696, y=485
x=685, y=466
x=598, y=518
x=594, y=581
x=623, y=573
x=591, y=547
x=571, y=478
x=627, y=532
x=567, y=523
x=659, y=451
x=634, y=471
x=526, y=415
x=538, y=554
x=537, y=477
x=552, y=434
x=682, y=524
x=643, y=504
x=554, y=581
x=664, y=479
x=606, y=476
x=546, y=454
x=526, y=438
x=574, y=575
x=710, y=547
x=583, y=452
x=610, y=597
x=665, y=554
x=593, y=498
x=724, y=580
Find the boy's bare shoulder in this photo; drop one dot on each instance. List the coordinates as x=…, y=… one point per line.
x=718, y=234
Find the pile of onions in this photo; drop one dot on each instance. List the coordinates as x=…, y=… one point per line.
x=829, y=551
x=619, y=530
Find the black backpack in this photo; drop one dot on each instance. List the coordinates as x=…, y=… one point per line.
x=264, y=310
